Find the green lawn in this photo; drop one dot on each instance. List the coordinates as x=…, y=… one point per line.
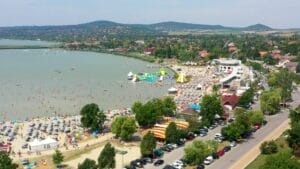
x=260, y=160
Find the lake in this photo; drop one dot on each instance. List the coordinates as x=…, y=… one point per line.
x=42, y=82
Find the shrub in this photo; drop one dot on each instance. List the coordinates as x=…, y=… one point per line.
x=268, y=147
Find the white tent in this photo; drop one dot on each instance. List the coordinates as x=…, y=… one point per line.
x=47, y=144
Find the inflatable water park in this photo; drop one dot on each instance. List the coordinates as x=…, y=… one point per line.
x=157, y=76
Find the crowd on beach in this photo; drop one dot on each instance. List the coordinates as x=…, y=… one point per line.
x=66, y=130
x=202, y=78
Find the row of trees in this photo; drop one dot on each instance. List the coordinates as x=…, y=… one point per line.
x=242, y=124
x=151, y=112
x=199, y=150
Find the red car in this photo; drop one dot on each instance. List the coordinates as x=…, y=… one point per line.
x=221, y=153
x=257, y=126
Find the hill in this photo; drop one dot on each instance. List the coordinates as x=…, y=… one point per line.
x=110, y=29
x=258, y=27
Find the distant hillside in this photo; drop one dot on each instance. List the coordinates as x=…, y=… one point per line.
x=99, y=29
x=258, y=27
x=173, y=26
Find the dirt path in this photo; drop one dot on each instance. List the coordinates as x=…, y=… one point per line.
x=245, y=160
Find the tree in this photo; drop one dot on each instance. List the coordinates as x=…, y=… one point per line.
x=149, y=113
x=128, y=129
x=295, y=115
x=169, y=106
x=256, y=117
x=231, y=132
x=283, y=160
x=92, y=117
x=294, y=138
x=212, y=146
x=88, y=164
x=240, y=126
x=136, y=107
x=246, y=98
x=270, y=102
x=243, y=122
x=172, y=133
x=148, y=144
x=58, y=157
x=283, y=80
x=210, y=106
x=107, y=157
x=116, y=126
x=6, y=162
x=268, y=147
x=195, y=153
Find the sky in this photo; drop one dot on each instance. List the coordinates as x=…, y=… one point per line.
x=237, y=13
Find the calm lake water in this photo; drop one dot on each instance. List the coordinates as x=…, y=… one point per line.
x=40, y=82
x=12, y=42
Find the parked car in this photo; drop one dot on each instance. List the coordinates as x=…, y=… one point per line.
x=264, y=122
x=208, y=160
x=200, y=166
x=181, y=143
x=257, y=126
x=221, y=153
x=137, y=163
x=215, y=155
x=147, y=160
x=174, y=145
x=166, y=149
x=169, y=167
x=227, y=148
x=158, y=162
x=247, y=134
x=218, y=135
x=233, y=144
x=202, y=134
x=190, y=136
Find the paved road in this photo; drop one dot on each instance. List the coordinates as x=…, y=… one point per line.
x=235, y=154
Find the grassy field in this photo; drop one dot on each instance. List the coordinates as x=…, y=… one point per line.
x=260, y=160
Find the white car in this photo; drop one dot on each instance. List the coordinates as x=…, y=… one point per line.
x=174, y=145
x=179, y=162
x=208, y=160
x=218, y=135
x=177, y=166
x=233, y=144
